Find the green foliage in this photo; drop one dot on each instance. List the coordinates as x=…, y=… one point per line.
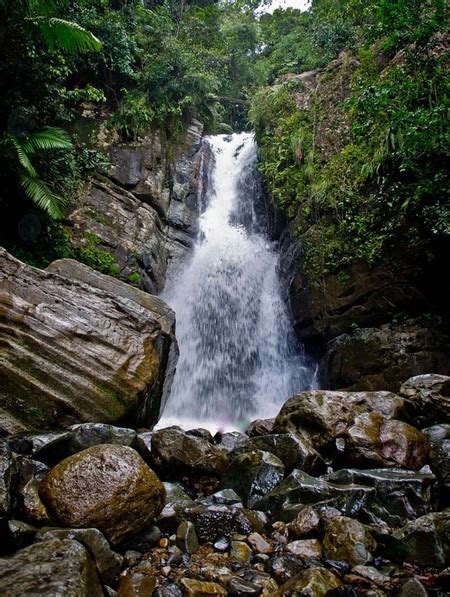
x=134, y=278
x=96, y=257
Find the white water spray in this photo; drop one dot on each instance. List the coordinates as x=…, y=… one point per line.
x=239, y=359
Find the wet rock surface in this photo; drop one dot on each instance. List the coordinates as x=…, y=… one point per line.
x=237, y=514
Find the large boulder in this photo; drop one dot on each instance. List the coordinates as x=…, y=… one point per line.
x=81, y=347
x=55, y=567
x=176, y=452
x=320, y=416
x=106, y=487
x=391, y=355
x=375, y=441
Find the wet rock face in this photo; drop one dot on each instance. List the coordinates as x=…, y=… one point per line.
x=391, y=355
x=428, y=398
x=79, y=353
x=107, y=487
x=175, y=450
x=426, y=541
x=56, y=567
x=8, y=474
x=252, y=475
x=145, y=212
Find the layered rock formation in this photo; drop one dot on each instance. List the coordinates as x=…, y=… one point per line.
x=79, y=346
x=145, y=212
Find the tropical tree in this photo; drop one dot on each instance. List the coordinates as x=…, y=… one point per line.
x=17, y=151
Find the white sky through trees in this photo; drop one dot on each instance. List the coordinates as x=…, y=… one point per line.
x=300, y=4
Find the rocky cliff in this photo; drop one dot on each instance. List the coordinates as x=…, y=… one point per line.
x=369, y=324
x=144, y=213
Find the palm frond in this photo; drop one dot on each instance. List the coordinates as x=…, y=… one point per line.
x=47, y=138
x=14, y=146
x=67, y=36
x=41, y=7
x=41, y=194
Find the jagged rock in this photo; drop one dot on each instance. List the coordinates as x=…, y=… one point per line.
x=426, y=541
x=238, y=586
x=299, y=489
x=29, y=506
x=79, y=353
x=108, y=562
x=320, y=416
x=106, y=487
x=306, y=523
x=400, y=495
x=50, y=568
x=168, y=590
x=305, y=549
x=203, y=433
x=316, y=582
x=214, y=522
x=252, y=475
x=227, y=497
x=391, y=354
x=229, y=441
x=187, y=539
x=176, y=452
x=375, y=441
x=413, y=588
x=428, y=398
x=177, y=500
x=290, y=449
x=135, y=584
x=260, y=427
x=347, y=540
x=197, y=588
x=8, y=474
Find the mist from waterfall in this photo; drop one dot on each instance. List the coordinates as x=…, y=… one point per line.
x=239, y=358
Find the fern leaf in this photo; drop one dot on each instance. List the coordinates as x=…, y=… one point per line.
x=48, y=138
x=68, y=37
x=13, y=142
x=41, y=194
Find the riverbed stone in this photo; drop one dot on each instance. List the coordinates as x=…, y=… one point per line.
x=230, y=440
x=107, y=561
x=8, y=479
x=136, y=584
x=56, y=567
x=315, y=582
x=259, y=544
x=198, y=588
x=239, y=550
x=214, y=522
x=252, y=475
x=177, y=453
x=305, y=549
x=375, y=441
x=238, y=586
x=426, y=541
x=227, y=497
x=177, y=501
x=20, y=535
x=260, y=427
x=348, y=540
x=305, y=524
x=187, y=539
x=107, y=487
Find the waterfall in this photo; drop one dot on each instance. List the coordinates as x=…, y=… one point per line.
x=239, y=359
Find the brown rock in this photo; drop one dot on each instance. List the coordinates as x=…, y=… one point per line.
x=73, y=352
x=305, y=549
x=135, y=584
x=347, y=540
x=50, y=568
x=307, y=522
x=240, y=551
x=107, y=487
x=316, y=582
x=259, y=544
x=197, y=588
x=375, y=441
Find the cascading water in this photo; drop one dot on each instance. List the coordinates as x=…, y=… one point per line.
x=239, y=359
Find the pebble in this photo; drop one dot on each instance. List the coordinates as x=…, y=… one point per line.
x=186, y=538
x=237, y=586
x=222, y=544
x=305, y=549
x=259, y=544
x=240, y=551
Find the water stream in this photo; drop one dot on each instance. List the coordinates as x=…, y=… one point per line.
x=239, y=359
